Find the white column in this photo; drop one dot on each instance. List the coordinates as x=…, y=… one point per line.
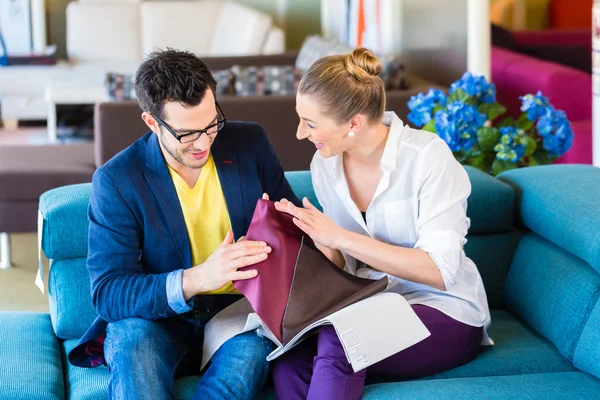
x=478, y=38
x=5, y=251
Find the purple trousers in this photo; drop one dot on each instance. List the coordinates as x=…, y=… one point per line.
x=317, y=368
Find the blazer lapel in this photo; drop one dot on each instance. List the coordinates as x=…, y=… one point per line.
x=161, y=183
x=229, y=175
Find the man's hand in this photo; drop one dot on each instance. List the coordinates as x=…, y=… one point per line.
x=223, y=264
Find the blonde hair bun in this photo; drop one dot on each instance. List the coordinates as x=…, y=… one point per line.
x=362, y=64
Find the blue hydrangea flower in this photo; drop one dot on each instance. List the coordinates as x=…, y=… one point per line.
x=477, y=87
x=458, y=125
x=555, y=130
x=513, y=143
x=534, y=106
x=422, y=105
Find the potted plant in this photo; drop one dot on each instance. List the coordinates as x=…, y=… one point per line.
x=467, y=119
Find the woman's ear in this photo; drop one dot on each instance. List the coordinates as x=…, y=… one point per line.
x=357, y=122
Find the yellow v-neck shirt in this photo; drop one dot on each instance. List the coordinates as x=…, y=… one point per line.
x=206, y=215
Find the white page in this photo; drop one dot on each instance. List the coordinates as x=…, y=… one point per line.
x=231, y=321
x=370, y=330
x=376, y=328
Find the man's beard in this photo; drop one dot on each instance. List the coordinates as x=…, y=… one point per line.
x=178, y=155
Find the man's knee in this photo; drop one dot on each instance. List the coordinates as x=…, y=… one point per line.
x=250, y=351
x=133, y=338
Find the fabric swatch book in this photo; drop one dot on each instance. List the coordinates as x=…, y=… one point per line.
x=298, y=289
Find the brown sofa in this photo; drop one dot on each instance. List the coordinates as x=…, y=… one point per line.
x=28, y=171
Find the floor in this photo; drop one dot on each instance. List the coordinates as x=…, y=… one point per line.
x=18, y=291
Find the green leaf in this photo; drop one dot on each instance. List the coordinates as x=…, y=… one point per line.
x=500, y=166
x=430, y=126
x=542, y=157
x=488, y=138
x=492, y=110
x=436, y=109
x=459, y=95
x=531, y=146
x=508, y=121
x=524, y=123
x=532, y=162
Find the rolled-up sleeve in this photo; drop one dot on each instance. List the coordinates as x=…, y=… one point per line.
x=442, y=222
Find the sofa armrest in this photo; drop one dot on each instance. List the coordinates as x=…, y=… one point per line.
x=560, y=203
x=515, y=74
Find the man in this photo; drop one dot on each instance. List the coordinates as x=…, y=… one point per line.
x=162, y=255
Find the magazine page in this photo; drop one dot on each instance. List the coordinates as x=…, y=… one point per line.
x=231, y=321
x=376, y=328
x=370, y=330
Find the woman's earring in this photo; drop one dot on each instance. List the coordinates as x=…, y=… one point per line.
x=351, y=133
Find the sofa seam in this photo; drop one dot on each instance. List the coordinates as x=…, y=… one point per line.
x=591, y=306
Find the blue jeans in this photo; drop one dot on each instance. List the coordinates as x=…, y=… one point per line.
x=145, y=358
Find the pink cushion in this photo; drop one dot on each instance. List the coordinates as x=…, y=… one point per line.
x=581, y=151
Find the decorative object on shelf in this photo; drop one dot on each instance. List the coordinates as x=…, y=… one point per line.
x=266, y=80
x=315, y=47
x=466, y=119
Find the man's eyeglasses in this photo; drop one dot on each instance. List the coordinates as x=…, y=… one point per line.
x=193, y=135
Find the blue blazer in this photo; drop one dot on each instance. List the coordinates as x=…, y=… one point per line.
x=137, y=232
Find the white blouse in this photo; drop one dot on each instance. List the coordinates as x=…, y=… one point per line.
x=420, y=202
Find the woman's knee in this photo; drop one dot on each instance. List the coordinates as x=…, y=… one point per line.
x=329, y=342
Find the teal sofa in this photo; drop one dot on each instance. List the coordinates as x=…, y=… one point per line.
x=535, y=236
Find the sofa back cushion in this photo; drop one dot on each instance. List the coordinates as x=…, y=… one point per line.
x=587, y=352
x=567, y=216
x=554, y=280
x=182, y=25
x=103, y=31
x=70, y=298
x=239, y=30
x=553, y=290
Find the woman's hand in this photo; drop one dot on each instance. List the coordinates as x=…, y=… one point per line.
x=314, y=223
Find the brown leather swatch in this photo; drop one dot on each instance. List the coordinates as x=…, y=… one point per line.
x=319, y=288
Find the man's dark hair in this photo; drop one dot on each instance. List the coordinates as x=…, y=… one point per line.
x=172, y=76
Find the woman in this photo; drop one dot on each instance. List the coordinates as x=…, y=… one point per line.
x=394, y=203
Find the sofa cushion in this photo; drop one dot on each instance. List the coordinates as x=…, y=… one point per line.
x=249, y=35
x=28, y=171
x=194, y=21
x=92, y=383
x=551, y=213
x=70, y=298
x=587, y=352
x=31, y=366
x=88, y=38
x=573, y=385
x=491, y=204
x=552, y=290
x=493, y=254
x=518, y=350
x=84, y=383
x=65, y=221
